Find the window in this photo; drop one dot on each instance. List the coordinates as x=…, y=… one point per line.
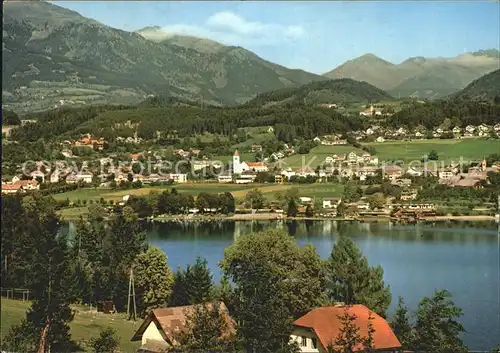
x=303, y=342
x=314, y=342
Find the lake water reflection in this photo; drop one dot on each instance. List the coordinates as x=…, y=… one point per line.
x=417, y=259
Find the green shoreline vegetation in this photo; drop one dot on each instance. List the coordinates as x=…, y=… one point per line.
x=269, y=263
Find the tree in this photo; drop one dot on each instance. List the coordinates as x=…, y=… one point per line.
x=433, y=155
x=107, y=342
x=46, y=326
x=228, y=203
x=207, y=329
x=275, y=280
x=153, y=280
x=350, y=338
x=198, y=282
x=255, y=199
x=401, y=325
x=352, y=192
x=193, y=285
x=376, y=201
x=10, y=118
x=437, y=328
x=292, y=208
x=352, y=281
x=309, y=211
x=341, y=209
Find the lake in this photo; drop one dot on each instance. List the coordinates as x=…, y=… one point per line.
x=463, y=258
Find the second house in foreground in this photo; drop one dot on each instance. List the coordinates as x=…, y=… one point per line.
x=318, y=329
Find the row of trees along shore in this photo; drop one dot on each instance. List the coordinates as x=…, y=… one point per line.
x=268, y=281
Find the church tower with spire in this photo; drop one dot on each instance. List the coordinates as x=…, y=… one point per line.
x=236, y=163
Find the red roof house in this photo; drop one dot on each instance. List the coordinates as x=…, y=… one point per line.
x=320, y=328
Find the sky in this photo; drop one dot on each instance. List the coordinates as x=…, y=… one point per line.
x=316, y=36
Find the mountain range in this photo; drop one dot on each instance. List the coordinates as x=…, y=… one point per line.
x=419, y=76
x=53, y=56
x=486, y=87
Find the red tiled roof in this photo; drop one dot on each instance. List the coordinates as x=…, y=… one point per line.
x=255, y=164
x=11, y=186
x=326, y=324
x=236, y=153
x=27, y=182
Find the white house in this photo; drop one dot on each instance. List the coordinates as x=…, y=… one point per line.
x=86, y=177
x=158, y=331
x=419, y=134
x=288, y=173
x=305, y=199
x=414, y=171
x=331, y=202
x=304, y=172
x=483, y=128
x=380, y=139
x=54, y=177
x=456, y=130
x=318, y=329
x=257, y=166
x=470, y=129
x=178, y=177
x=329, y=160
x=225, y=178
x=496, y=127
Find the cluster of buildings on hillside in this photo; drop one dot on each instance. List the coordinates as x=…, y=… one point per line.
x=381, y=134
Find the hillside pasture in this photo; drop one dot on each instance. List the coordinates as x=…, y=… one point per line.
x=468, y=149
x=85, y=325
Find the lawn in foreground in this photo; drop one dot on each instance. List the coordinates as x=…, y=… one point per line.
x=84, y=326
x=470, y=149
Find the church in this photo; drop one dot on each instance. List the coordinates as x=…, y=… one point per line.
x=239, y=166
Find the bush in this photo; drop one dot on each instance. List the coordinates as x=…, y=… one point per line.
x=107, y=342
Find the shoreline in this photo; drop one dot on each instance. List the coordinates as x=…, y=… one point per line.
x=276, y=217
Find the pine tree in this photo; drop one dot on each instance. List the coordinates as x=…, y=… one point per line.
x=401, y=325
x=179, y=296
x=46, y=327
x=437, y=328
x=199, y=282
x=352, y=281
x=350, y=338
x=292, y=208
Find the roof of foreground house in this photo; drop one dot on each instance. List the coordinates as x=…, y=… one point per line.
x=326, y=323
x=171, y=320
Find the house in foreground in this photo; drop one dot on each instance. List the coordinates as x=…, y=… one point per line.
x=157, y=332
x=320, y=327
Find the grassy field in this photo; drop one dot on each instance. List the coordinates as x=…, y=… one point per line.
x=447, y=149
x=255, y=139
x=84, y=327
x=244, y=157
x=316, y=156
